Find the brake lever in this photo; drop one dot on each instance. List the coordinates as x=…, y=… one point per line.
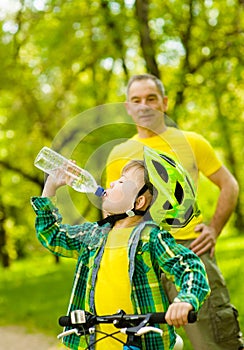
x=76, y=331
x=70, y=331
x=136, y=329
x=143, y=330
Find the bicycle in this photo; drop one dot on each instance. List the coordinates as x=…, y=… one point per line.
x=83, y=323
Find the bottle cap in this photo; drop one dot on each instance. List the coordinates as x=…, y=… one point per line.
x=99, y=191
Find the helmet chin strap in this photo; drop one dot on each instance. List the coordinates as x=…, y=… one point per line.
x=112, y=219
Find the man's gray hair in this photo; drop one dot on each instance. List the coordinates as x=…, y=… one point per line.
x=146, y=76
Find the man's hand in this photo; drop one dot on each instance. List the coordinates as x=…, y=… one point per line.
x=226, y=203
x=206, y=241
x=177, y=314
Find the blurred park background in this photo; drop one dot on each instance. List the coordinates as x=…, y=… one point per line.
x=60, y=61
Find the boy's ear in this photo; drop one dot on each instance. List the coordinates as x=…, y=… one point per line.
x=143, y=201
x=140, y=202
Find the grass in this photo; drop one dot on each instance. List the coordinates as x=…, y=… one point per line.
x=35, y=292
x=230, y=257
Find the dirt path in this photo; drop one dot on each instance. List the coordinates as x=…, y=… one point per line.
x=16, y=338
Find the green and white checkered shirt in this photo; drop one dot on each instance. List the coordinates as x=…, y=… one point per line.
x=151, y=252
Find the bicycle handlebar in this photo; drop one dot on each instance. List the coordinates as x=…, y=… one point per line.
x=83, y=322
x=120, y=319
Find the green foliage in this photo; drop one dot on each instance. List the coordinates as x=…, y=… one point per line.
x=60, y=59
x=35, y=293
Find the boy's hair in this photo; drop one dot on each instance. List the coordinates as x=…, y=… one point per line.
x=134, y=164
x=139, y=164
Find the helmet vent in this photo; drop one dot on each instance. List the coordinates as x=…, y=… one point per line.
x=179, y=193
x=167, y=205
x=161, y=170
x=172, y=222
x=189, y=213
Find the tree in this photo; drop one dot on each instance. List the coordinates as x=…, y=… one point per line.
x=62, y=59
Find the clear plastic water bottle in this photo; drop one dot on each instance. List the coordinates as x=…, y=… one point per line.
x=81, y=180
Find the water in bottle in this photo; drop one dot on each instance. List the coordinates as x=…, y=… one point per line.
x=80, y=180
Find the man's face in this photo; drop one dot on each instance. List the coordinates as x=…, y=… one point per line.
x=122, y=193
x=146, y=105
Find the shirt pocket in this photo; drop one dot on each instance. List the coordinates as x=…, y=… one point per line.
x=143, y=260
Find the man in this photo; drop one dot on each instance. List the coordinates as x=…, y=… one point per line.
x=218, y=327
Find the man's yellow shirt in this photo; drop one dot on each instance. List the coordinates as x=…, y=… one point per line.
x=192, y=150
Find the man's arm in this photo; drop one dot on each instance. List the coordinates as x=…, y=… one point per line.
x=226, y=203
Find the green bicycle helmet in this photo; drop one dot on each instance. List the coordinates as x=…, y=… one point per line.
x=174, y=195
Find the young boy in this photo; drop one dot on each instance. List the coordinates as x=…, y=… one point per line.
x=120, y=260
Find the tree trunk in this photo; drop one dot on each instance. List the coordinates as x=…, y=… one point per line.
x=147, y=44
x=115, y=32
x=3, y=239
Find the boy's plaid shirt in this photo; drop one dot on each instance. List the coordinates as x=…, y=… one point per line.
x=151, y=252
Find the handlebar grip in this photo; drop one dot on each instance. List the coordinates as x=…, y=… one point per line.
x=192, y=316
x=159, y=317
x=65, y=321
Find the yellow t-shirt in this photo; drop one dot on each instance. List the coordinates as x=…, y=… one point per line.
x=113, y=290
x=192, y=150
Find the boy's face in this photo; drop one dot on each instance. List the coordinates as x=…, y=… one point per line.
x=122, y=193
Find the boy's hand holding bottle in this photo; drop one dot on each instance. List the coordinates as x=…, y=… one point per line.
x=52, y=183
x=64, y=172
